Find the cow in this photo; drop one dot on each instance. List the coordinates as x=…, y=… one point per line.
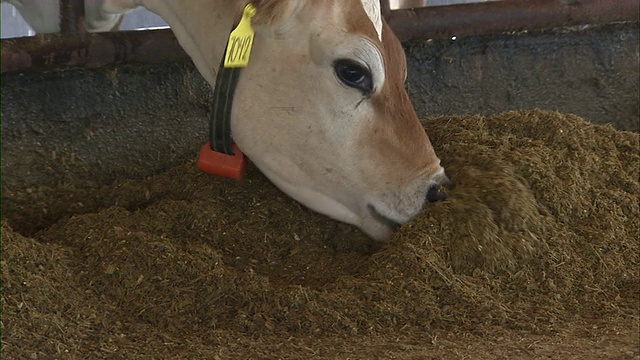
x=321, y=109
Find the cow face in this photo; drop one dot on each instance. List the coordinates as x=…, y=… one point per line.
x=323, y=112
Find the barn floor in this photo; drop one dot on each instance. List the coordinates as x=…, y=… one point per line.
x=534, y=256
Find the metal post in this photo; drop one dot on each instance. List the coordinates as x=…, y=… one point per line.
x=496, y=17
x=72, y=17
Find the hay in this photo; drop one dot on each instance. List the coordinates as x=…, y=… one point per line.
x=540, y=234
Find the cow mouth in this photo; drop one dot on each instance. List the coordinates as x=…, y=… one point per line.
x=389, y=223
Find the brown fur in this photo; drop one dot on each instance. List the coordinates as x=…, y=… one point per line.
x=269, y=12
x=397, y=127
x=393, y=101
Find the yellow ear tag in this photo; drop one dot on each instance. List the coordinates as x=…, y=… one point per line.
x=240, y=40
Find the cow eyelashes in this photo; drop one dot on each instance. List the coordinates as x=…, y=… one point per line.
x=354, y=75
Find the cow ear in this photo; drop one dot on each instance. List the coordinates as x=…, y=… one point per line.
x=281, y=15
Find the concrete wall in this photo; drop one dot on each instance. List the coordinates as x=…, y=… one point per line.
x=89, y=127
x=591, y=72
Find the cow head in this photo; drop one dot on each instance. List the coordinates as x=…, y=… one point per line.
x=323, y=112
x=321, y=109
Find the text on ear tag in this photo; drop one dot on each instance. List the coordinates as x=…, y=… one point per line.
x=240, y=40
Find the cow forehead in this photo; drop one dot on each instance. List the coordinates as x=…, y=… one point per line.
x=361, y=17
x=372, y=8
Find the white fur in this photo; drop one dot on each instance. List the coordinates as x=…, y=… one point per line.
x=371, y=57
x=372, y=7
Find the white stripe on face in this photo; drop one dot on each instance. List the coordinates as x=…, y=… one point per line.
x=372, y=8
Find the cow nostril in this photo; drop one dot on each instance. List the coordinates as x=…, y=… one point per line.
x=435, y=193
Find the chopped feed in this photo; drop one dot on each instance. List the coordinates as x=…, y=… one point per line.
x=534, y=255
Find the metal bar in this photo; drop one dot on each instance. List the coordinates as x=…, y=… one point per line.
x=498, y=17
x=45, y=52
x=94, y=50
x=72, y=17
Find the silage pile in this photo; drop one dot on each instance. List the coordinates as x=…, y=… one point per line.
x=541, y=227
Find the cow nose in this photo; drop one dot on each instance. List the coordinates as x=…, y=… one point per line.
x=435, y=192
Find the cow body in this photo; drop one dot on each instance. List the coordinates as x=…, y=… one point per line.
x=321, y=109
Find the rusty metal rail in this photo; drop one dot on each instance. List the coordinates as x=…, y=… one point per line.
x=44, y=52
x=508, y=16
x=75, y=47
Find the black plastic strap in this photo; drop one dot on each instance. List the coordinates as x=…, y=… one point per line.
x=220, y=124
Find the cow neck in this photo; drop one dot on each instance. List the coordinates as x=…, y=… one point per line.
x=224, y=90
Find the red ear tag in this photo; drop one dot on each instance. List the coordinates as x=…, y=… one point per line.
x=220, y=164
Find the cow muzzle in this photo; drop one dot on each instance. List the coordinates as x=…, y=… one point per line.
x=437, y=190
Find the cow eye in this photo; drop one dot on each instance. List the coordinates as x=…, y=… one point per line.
x=353, y=75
